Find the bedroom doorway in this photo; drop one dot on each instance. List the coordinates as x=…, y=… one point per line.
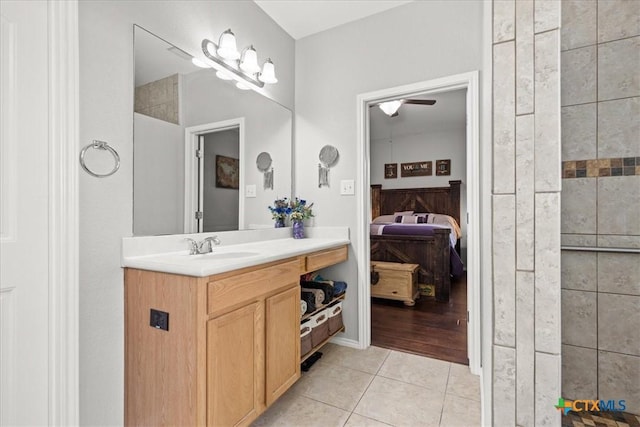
x=384, y=151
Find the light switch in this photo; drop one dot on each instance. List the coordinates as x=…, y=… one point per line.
x=250, y=190
x=347, y=187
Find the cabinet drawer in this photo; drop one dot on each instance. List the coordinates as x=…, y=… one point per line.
x=245, y=287
x=326, y=258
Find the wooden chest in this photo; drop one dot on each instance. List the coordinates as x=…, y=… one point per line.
x=396, y=281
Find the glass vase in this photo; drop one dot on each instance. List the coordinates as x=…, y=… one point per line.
x=298, y=229
x=279, y=222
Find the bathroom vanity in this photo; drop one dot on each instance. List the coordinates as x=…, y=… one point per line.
x=217, y=344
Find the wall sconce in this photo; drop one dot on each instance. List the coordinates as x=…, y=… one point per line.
x=243, y=67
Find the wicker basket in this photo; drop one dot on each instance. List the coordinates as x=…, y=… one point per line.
x=335, y=317
x=319, y=327
x=305, y=338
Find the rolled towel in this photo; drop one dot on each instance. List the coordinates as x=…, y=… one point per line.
x=327, y=288
x=339, y=288
x=310, y=299
x=319, y=295
x=303, y=307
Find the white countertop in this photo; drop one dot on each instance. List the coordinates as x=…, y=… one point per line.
x=150, y=253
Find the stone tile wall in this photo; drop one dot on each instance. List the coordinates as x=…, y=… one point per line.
x=600, y=59
x=159, y=99
x=526, y=212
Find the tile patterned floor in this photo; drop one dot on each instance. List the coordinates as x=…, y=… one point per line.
x=378, y=387
x=600, y=419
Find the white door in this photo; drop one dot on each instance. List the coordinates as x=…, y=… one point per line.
x=24, y=229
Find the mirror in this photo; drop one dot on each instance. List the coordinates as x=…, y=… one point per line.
x=196, y=139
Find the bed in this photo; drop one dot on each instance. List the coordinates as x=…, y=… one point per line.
x=410, y=240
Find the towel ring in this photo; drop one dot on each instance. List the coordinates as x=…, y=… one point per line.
x=100, y=145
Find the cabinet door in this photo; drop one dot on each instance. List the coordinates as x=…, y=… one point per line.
x=235, y=370
x=283, y=342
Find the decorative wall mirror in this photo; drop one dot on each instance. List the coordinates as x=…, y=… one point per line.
x=264, y=162
x=328, y=158
x=172, y=96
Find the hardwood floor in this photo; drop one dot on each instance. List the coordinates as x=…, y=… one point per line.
x=429, y=328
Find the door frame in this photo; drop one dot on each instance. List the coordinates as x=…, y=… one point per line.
x=64, y=191
x=469, y=81
x=191, y=196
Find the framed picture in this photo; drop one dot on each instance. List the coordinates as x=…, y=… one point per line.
x=390, y=170
x=443, y=167
x=416, y=169
x=227, y=172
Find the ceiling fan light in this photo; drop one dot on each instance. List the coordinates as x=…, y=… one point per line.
x=227, y=46
x=390, y=107
x=249, y=63
x=242, y=86
x=268, y=74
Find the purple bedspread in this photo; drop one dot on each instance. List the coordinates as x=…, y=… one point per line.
x=457, y=268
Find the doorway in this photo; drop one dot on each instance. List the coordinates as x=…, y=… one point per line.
x=218, y=180
x=469, y=82
x=214, y=175
x=427, y=130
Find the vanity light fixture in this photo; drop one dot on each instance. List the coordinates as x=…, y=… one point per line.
x=268, y=74
x=231, y=65
x=249, y=62
x=227, y=46
x=199, y=63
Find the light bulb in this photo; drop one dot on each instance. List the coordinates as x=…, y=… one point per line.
x=223, y=75
x=199, y=63
x=268, y=74
x=249, y=63
x=391, y=107
x=227, y=46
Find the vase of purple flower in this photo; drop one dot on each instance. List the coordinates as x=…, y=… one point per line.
x=298, y=229
x=299, y=211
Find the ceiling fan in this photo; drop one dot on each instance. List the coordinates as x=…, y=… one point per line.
x=391, y=108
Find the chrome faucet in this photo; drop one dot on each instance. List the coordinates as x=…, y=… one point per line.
x=204, y=247
x=208, y=242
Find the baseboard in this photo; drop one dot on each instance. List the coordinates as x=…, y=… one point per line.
x=346, y=342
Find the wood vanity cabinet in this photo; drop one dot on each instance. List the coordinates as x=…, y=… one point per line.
x=231, y=349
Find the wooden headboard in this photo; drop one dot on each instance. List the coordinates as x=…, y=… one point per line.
x=442, y=200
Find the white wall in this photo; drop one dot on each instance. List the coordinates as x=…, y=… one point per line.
x=106, y=113
x=159, y=195
x=220, y=204
x=411, y=43
x=435, y=145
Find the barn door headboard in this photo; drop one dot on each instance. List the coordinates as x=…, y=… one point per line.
x=442, y=200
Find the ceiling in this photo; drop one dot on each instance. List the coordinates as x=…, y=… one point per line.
x=301, y=18
x=449, y=112
x=157, y=59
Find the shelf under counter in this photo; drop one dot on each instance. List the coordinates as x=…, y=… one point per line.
x=319, y=346
x=323, y=306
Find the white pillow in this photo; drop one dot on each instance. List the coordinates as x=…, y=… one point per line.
x=403, y=213
x=384, y=219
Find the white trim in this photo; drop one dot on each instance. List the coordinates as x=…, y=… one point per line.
x=63, y=213
x=460, y=81
x=8, y=139
x=474, y=346
x=486, y=164
x=346, y=342
x=190, y=164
